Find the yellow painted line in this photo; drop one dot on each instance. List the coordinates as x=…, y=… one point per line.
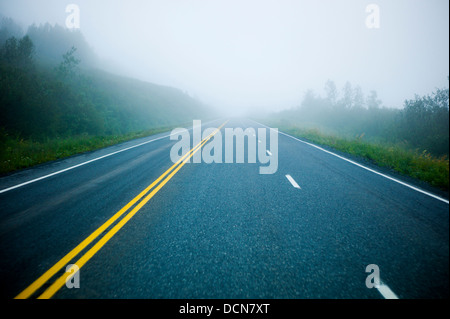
x=72, y=254
x=91, y=252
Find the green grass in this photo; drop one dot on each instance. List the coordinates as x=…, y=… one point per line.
x=17, y=154
x=412, y=163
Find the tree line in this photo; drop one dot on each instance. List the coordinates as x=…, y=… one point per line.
x=422, y=124
x=49, y=88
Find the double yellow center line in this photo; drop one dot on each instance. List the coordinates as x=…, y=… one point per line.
x=162, y=180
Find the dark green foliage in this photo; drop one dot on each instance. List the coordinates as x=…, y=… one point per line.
x=8, y=29
x=45, y=100
x=69, y=64
x=65, y=100
x=422, y=124
x=52, y=42
x=16, y=154
x=420, y=165
x=413, y=141
x=17, y=52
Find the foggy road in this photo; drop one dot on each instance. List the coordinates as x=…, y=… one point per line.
x=140, y=226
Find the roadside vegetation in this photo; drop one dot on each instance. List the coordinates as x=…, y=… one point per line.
x=55, y=102
x=413, y=140
x=17, y=154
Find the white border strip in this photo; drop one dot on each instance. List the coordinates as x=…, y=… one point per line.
x=90, y=161
x=364, y=167
x=386, y=292
x=78, y=165
x=292, y=181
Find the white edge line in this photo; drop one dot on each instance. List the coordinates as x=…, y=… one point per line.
x=364, y=167
x=386, y=292
x=78, y=165
x=292, y=181
x=268, y=152
x=87, y=162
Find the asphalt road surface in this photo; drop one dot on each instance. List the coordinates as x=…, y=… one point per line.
x=139, y=226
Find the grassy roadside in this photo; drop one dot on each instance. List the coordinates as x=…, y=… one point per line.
x=412, y=163
x=17, y=154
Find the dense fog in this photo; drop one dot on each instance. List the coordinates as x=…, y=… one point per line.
x=261, y=56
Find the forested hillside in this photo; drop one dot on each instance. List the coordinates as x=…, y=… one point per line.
x=50, y=89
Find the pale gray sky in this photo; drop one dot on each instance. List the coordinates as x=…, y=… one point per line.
x=260, y=54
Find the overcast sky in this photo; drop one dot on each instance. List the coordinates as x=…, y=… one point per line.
x=257, y=54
